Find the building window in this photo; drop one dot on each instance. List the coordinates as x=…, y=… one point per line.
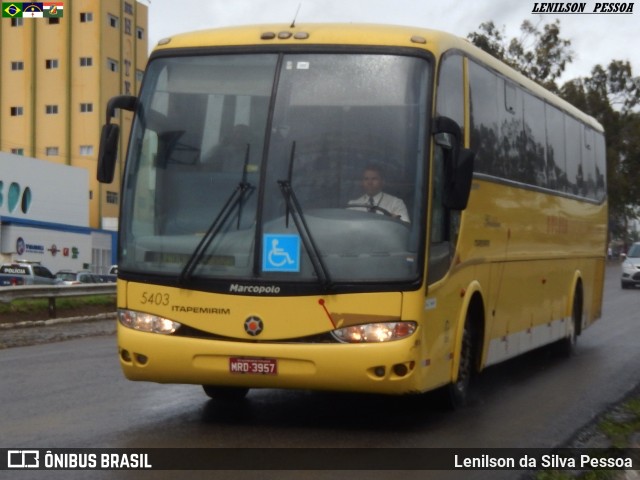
x=86, y=61
x=112, y=197
x=17, y=65
x=51, y=63
x=140, y=33
x=112, y=64
x=139, y=75
x=54, y=21
x=113, y=20
x=51, y=151
x=16, y=111
x=17, y=151
x=51, y=109
x=86, y=107
x=16, y=22
x=128, y=8
x=86, y=150
x=127, y=26
x=86, y=17
x=127, y=87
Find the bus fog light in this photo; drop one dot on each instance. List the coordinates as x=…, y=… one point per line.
x=141, y=359
x=145, y=322
x=400, y=369
x=375, y=332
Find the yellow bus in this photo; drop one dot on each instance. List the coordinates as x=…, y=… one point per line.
x=349, y=207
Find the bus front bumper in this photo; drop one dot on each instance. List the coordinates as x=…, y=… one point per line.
x=387, y=368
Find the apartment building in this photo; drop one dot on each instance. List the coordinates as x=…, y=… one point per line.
x=56, y=76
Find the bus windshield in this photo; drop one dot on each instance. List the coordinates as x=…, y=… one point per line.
x=300, y=168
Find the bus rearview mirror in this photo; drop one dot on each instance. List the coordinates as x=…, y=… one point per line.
x=108, y=152
x=458, y=189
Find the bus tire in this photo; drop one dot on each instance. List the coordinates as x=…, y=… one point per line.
x=457, y=393
x=225, y=393
x=567, y=346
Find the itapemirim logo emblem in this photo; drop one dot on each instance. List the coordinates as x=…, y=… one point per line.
x=253, y=326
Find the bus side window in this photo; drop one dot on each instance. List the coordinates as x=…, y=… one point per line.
x=450, y=103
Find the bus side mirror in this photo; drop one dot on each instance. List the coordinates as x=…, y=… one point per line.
x=108, y=152
x=458, y=163
x=459, y=185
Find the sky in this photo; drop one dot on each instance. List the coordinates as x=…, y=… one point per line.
x=596, y=38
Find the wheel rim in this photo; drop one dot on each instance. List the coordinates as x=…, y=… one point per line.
x=464, y=369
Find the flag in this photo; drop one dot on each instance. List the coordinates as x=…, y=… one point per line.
x=53, y=9
x=32, y=10
x=10, y=10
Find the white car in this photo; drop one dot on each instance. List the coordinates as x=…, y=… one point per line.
x=631, y=267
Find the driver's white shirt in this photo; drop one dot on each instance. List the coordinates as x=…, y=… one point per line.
x=394, y=205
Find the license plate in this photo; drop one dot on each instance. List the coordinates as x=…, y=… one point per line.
x=256, y=366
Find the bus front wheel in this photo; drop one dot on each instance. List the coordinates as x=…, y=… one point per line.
x=458, y=392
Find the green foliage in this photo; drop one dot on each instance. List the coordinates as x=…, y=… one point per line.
x=42, y=305
x=620, y=425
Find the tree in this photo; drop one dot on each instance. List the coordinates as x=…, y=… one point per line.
x=541, y=55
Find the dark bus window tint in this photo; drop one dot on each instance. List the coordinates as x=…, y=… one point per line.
x=450, y=101
x=589, y=163
x=575, y=173
x=601, y=167
x=510, y=147
x=533, y=168
x=510, y=98
x=484, y=116
x=556, y=164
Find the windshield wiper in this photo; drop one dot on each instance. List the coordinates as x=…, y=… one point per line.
x=294, y=210
x=235, y=199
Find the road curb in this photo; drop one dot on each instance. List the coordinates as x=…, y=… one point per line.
x=57, y=321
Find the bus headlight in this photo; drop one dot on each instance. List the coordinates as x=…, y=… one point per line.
x=375, y=332
x=146, y=322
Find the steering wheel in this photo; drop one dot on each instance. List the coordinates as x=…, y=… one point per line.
x=375, y=208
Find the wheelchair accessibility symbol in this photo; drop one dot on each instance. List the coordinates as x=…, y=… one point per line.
x=281, y=253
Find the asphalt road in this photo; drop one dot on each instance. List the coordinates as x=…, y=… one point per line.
x=71, y=394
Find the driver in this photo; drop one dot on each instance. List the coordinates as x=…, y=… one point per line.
x=375, y=200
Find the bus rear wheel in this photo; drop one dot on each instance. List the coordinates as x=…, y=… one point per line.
x=567, y=346
x=225, y=393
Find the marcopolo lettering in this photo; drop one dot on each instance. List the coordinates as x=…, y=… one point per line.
x=257, y=289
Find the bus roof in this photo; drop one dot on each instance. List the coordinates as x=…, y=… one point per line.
x=434, y=41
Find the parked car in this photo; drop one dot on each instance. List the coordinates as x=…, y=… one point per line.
x=631, y=267
x=108, y=278
x=68, y=277
x=25, y=273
